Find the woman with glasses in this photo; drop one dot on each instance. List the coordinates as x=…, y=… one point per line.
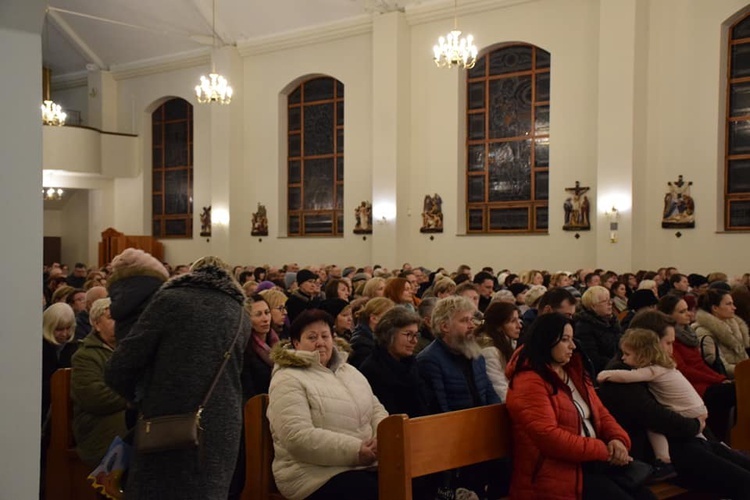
x=279, y=318
x=391, y=368
x=597, y=329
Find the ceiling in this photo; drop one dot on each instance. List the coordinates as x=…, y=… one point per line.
x=105, y=34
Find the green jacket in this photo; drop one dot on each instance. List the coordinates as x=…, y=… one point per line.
x=98, y=412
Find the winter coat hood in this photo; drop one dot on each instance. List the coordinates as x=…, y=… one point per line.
x=732, y=333
x=210, y=278
x=286, y=356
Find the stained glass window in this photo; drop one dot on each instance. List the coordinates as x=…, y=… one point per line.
x=737, y=159
x=507, y=141
x=172, y=170
x=315, y=147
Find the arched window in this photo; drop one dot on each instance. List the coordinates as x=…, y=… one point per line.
x=737, y=162
x=172, y=170
x=315, y=142
x=507, y=141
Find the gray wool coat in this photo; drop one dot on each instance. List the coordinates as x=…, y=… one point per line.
x=166, y=364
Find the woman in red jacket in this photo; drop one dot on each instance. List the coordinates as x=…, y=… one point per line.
x=566, y=445
x=717, y=390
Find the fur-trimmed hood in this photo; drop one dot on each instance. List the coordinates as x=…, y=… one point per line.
x=285, y=356
x=209, y=277
x=732, y=333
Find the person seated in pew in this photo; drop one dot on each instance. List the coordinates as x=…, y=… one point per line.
x=392, y=369
x=98, y=411
x=456, y=376
x=702, y=465
x=565, y=442
x=323, y=417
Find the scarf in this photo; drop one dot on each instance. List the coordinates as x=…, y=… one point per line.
x=687, y=336
x=263, y=347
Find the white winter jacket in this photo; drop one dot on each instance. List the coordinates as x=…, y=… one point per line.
x=319, y=417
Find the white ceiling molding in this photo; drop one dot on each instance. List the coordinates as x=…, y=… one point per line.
x=172, y=62
x=427, y=13
x=359, y=25
x=70, y=80
x=81, y=46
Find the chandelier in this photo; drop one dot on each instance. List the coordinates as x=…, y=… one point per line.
x=52, y=114
x=52, y=193
x=215, y=88
x=453, y=49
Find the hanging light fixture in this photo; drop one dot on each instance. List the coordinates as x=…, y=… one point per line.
x=453, y=49
x=215, y=87
x=52, y=114
x=52, y=193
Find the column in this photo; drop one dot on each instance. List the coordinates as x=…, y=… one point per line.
x=21, y=227
x=623, y=39
x=390, y=132
x=226, y=156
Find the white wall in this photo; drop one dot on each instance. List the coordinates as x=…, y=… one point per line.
x=75, y=229
x=53, y=223
x=21, y=226
x=662, y=84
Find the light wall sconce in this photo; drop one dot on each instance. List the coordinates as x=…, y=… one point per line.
x=613, y=215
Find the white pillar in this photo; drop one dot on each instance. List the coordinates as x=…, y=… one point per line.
x=21, y=227
x=226, y=156
x=391, y=134
x=102, y=102
x=623, y=35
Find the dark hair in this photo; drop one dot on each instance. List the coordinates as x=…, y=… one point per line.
x=332, y=288
x=466, y=285
x=244, y=276
x=496, y=315
x=394, y=319
x=307, y=318
x=711, y=298
x=668, y=303
x=509, y=280
x=425, y=307
x=555, y=298
x=676, y=278
x=615, y=286
x=587, y=279
x=482, y=276
x=462, y=278
x=257, y=272
x=544, y=334
x=653, y=320
x=69, y=297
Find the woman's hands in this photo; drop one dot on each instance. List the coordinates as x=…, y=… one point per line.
x=618, y=453
x=368, y=452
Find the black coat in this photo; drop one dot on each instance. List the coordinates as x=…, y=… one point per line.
x=130, y=290
x=362, y=343
x=598, y=338
x=52, y=360
x=636, y=410
x=298, y=302
x=396, y=383
x=167, y=363
x=256, y=374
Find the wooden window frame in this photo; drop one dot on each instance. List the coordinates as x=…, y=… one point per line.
x=337, y=214
x=532, y=204
x=161, y=171
x=742, y=197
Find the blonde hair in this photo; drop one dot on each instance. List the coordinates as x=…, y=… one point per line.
x=528, y=276
x=62, y=292
x=98, y=308
x=275, y=298
x=372, y=286
x=593, y=295
x=59, y=315
x=553, y=282
x=646, y=348
x=378, y=306
x=445, y=285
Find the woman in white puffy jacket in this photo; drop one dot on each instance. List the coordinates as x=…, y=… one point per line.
x=498, y=336
x=323, y=417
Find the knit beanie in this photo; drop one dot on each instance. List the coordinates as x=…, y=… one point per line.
x=305, y=275
x=641, y=299
x=333, y=306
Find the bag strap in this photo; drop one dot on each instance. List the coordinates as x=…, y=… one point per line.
x=224, y=362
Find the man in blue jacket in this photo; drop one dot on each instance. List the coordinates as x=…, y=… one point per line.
x=452, y=365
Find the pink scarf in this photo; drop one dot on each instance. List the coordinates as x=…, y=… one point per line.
x=263, y=347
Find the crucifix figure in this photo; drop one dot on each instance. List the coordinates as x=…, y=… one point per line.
x=577, y=209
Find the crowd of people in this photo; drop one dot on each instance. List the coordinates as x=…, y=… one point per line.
x=611, y=380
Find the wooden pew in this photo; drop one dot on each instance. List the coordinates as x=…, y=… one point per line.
x=740, y=434
x=410, y=448
x=259, y=483
x=66, y=475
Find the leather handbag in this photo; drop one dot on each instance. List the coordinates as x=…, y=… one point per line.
x=183, y=431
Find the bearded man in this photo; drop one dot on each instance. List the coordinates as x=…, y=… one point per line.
x=452, y=365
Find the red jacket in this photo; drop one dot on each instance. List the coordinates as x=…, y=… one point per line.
x=548, y=448
x=691, y=364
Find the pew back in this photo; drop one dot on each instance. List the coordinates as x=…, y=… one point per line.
x=259, y=483
x=740, y=434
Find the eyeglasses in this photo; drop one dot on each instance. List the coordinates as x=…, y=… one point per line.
x=411, y=336
x=280, y=308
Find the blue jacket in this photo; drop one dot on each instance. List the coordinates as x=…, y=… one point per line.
x=442, y=371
